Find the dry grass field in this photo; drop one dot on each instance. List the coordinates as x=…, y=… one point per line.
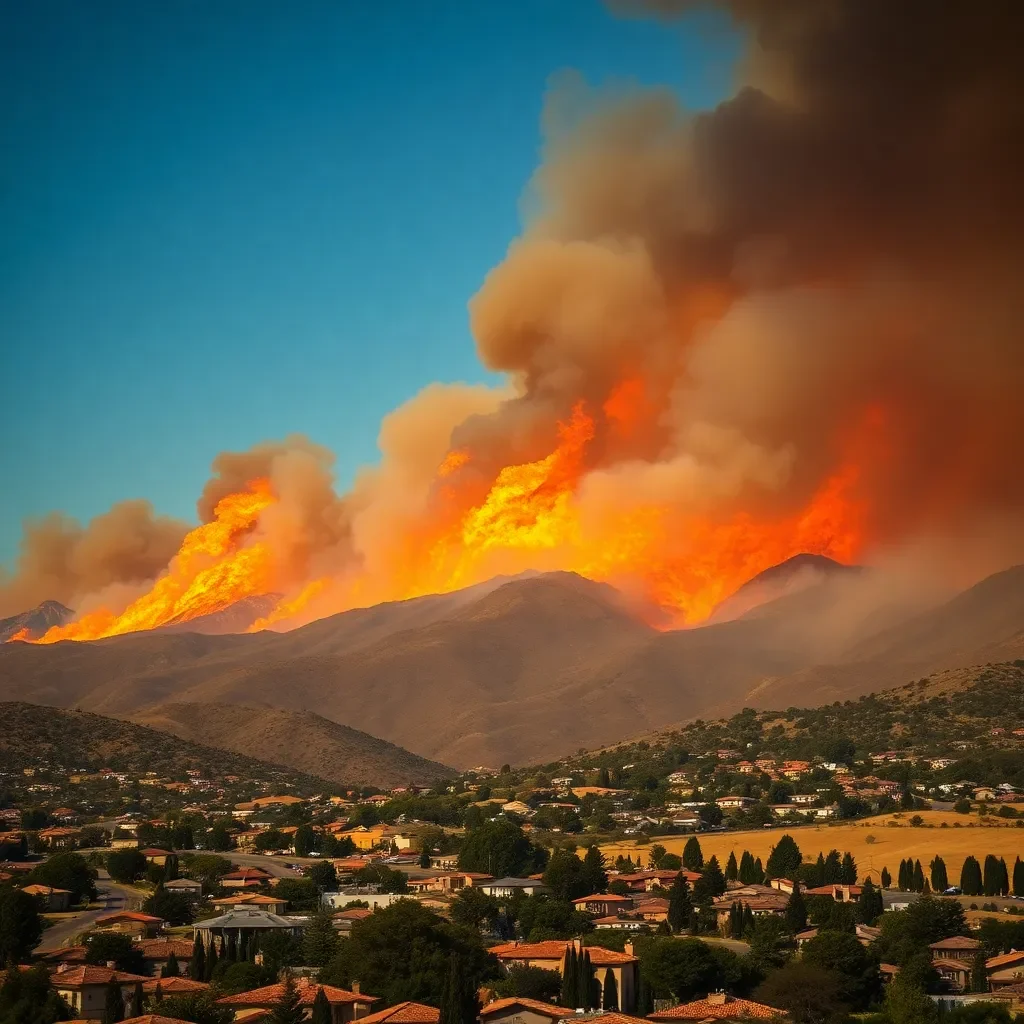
x=875, y=843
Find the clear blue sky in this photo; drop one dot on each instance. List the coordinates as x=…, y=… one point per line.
x=225, y=222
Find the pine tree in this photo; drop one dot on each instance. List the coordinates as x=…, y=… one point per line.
x=610, y=995
x=712, y=877
x=693, y=856
x=748, y=919
x=819, y=870
x=979, y=976
x=569, y=973
x=971, y=882
x=585, y=982
x=918, y=877
x=135, y=1009
x=759, y=877
x=158, y=995
x=1004, y=878
x=644, y=998
x=937, y=870
x=901, y=881
x=869, y=903
x=211, y=960
x=594, y=873
x=747, y=869
x=320, y=940
x=172, y=968
x=784, y=860
x=732, y=870
x=113, y=1004
x=197, y=966
x=833, y=868
x=680, y=907
x=796, y=910
x=321, y=1009
x=849, y=869
x=1018, y=877
x=885, y=878
x=287, y=1010
x=230, y=948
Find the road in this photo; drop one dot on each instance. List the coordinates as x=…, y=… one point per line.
x=112, y=897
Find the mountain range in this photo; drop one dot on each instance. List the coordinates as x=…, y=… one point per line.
x=523, y=670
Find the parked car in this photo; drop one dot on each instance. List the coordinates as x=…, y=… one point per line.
x=953, y=890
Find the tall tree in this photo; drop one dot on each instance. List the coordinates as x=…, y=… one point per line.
x=833, y=868
x=885, y=878
x=594, y=873
x=320, y=940
x=113, y=1002
x=584, y=981
x=1004, y=878
x=680, y=906
x=869, y=903
x=570, y=985
x=796, y=910
x=321, y=1009
x=712, y=879
x=747, y=870
x=918, y=877
x=903, y=883
x=1018, y=877
x=211, y=960
x=748, y=919
x=644, y=998
x=197, y=966
x=458, y=998
x=732, y=870
x=819, y=870
x=288, y=1009
x=20, y=925
x=785, y=859
x=172, y=969
x=610, y=995
x=971, y=882
x=849, y=869
x=693, y=856
x=939, y=877
x=979, y=975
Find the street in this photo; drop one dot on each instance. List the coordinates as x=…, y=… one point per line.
x=111, y=895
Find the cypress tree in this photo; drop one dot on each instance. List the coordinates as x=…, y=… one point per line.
x=748, y=919
x=680, y=907
x=885, y=878
x=158, y=995
x=758, y=878
x=937, y=869
x=610, y=996
x=747, y=868
x=901, y=881
x=113, y=1009
x=979, y=976
x=869, y=903
x=712, y=877
x=230, y=948
x=784, y=860
x=833, y=868
x=1004, y=878
x=970, y=877
x=796, y=910
x=569, y=973
x=991, y=876
x=732, y=871
x=172, y=969
x=197, y=966
x=211, y=960
x=918, y=877
x=1018, y=877
x=458, y=995
x=819, y=870
x=585, y=982
x=644, y=998
x=693, y=856
x=321, y=1009
x=849, y=869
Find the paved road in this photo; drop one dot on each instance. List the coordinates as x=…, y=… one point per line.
x=112, y=897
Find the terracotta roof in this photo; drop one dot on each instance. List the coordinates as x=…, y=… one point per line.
x=154, y=1018
x=159, y=949
x=956, y=942
x=545, y=1009
x=952, y=965
x=404, y=1013
x=65, y=954
x=173, y=986
x=718, y=1007
x=42, y=890
x=1005, y=958
x=248, y=898
x=74, y=977
x=355, y=914
x=554, y=949
x=604, y=897
x=270, y=995
x=153, y=851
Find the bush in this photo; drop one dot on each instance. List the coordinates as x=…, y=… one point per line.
x=125, y=866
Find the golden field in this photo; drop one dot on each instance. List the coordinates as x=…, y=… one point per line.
x=875, y=843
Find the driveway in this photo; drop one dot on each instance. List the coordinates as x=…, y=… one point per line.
x=112, y=896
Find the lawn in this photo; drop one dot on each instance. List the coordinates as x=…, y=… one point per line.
x=874, y=842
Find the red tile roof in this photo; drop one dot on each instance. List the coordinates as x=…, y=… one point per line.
x=956, y=942
x=130, y=915
x=606, y=897
x=718, y=1007
x=554, y=949
x=75, y=977
x=270, y=995
x=173, y=986
x=404, y=1013
x=154, y=1018
x=545, y=1009
x=1005, y=958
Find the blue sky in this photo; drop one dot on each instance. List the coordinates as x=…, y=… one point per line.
x=226, y=222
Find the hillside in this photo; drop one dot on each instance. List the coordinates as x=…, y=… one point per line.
x=36, y=620
x=522, y=670
x=299, y=739
x=82, y=740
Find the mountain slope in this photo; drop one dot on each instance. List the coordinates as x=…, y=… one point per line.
x=301, y=740
x=36, y=620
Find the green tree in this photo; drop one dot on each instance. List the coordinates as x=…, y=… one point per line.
x=796, y=910
x=27, y=997
x=749, y=874
x=979, y=976
x=288, y=1009
x=971, y=881
x=67, y=871
x=197, y=966
x=211, y=962
x=1018, y=877
x=459, y=1004
x=848, y=874
x=198, y=1007
x=644, y=998
x=585, y=981
x=20, y=925
x=771, y=942
x=907, y=1004
x=174, y=907
x=218, y=838
x=594, y=873
x=102, y=948
x=683, y=968
x=324, y=876
x=566, y=876
x=301, y=894
x=610, y=992
x=321, y=1009
x=918, y=877
x=530, y=983
x=472, y=908
x=785, y=859
x=937, y=872
x=501, y=848
x=843, y=953
x=125, y=866
x=680, y=907
x=424, y=861
x=172, y=969
x=113, y=1002
x=732, y=870
x=885, y=878
x=693, y=856
x=869, y=903
x=303, y=841
x=905, y=933
x=808, y=993
x=905, y=879
x=570, y=972
x=320, y=940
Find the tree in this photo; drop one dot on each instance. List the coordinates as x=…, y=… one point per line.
x=808, y=993
x=584, y=981
x=1018, y=877
x=970, y=877
x=905, y=880
x=594, y=873
x=979, y=976
x=843, y=953
x=644, y=998
x=211, y=961
x=796, y=910
x=113, y=1002
x=832, y=868
x=905, y=933
x=424, y=861
x=570, y=971
x=680, y=907
x=172, y=969
x=683, y=968
x=67, y=871
x=848, y=875
x=103, y=948
x=566, y=877
x=710, y=884
x=918, y=877
x=885, y=878
x=20, y=925
x=937, y=873
x=125, y=866
x=472, y=908
x=288, y=1009
x=869, y=903
x=771, y=942
x=962, y=806
x=749, y=874
x=174, y=907
x=301, y=893
x=459, y=1003
x=198, y=1007
x=785, y=859
x=323, y=876
x=732, y=870
x=304, y=840
x=321, y=1009
x=693, y=856
x=501, y=848
x=320, y=940
x=197, y=966
x=27, y=997
x=530, y=983
x=610, y=992
x=907, y=1004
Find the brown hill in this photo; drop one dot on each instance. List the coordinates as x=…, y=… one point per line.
x=531, y=668
x=36, y=620
x=299, y=739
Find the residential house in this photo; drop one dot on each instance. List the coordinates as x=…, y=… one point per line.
x=761, y=905
x=185, y=886
x=604, y=904
x=247, y=923
x=50, y=900
x=719, y=1006
x=155, y=856
x=840, y=892
x=804, y=799
x=654, y=909
x=645, y=881
x=955, y=973
x=519, y=1010
x=345, y=1005
x=156, y=953
x=1005, y=969
x=364, y=838
x=450, y=882
x=550, y=955
x=622, y=923
x=173, y=986
x=956, y=947
x=344, y=919
x=132, y=923
x=503, y=888
x=517, y=807
x=735, y=803
x=362, y=893
x=404, y=1013
x=84, y=989
x=124, y=840
x=251, y=901
x=246, y=878
x=984, y=793
x=59, y=838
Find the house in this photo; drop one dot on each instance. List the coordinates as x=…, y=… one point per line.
x=173, y=986
x=156, y=953
x=185, y=886
x=51, y=900
x=719, y=1006
x=984, y=793
x=155, y=856
x=622, y=922
x=503, y=888
x=645, y=881
x=804, y=799
x=550, y=955
x=132, y=923
x=763, y=905
x=840, y=892
x=345, y=1005
x=59, y=838
x=364, y=838
x=84, y=989
x=404, y=1013
x=955, y=973
x=654, y=909
x=1005, y=969
x=517, y=807
x=956, y=947
x=734, y=803
x=246, y=878
x=251, y=901
x=519, y=1010
x=345, y=919
x=123, y=840
x=247, y=922
x=603, y=904
x=450, y=882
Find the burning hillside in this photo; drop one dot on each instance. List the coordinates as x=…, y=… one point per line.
x=790, y=324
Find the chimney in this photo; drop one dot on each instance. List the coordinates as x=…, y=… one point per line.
x=717, y=999
x=577, y=944
x=628, y=947
x=112, y=964
x=355, y=987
